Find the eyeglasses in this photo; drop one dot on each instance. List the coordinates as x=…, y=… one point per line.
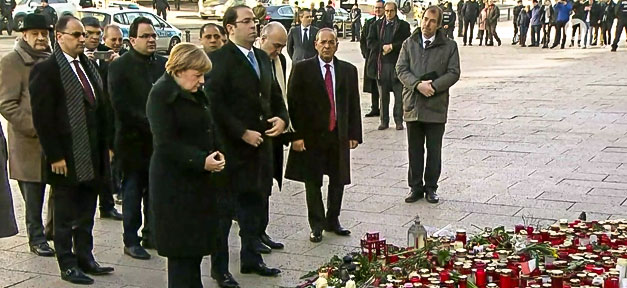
x=246, y=21
x=76, y=34
x=148, y=36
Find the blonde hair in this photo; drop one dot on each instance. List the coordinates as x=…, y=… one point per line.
x=186, y=56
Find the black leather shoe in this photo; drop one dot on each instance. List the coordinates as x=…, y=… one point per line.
x=415, y=195
x=260, y=269
x=373, y=113
x=93, y=268
x=111, y=214
x=137, y=252
x=261, y=248
x=42, y=249
x=383, y=127
x=315, y=236
x=265, y=239
x=399, y=127
x=338, y=229
x=432, y=197
x=225, y=280
x=76, y=276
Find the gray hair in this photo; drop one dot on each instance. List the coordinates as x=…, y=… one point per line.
x=271, y=27
x=325, y=30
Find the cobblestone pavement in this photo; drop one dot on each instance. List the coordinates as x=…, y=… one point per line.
x=535, y=133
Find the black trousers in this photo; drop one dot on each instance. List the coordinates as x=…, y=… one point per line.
x=546, y=38
x=385, y=87
x=163, y=13
x=622, y=25
x=356, y=29
x=33, y=194
x=315, y=207
x=575, y=28
x=449, y=32
x=560, y=34
x=419, y=134
x=594, y=34
x=468, y=25
x=74, y=209
x=8, y=15
x=491, y=29
x=461, y=22
x=184, y=272
x=606, y=31
x=250, y=205
x=515, y=27
x=105, y=196
x=135, y=191
x=220, y=257
x=535, y=35
x=374, y=96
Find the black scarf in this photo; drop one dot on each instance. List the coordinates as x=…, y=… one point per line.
x=75, y=103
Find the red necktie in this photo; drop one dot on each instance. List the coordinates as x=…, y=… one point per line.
x=85, y=83
x=328, y=81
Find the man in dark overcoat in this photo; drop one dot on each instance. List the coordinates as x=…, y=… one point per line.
x=385, y=39
x=249, y=111
x=323, y=97
x=130, y=79
x=370, y=84
x=68, y=115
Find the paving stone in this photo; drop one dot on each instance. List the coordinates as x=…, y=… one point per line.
x=480, y=208
x=530, y=202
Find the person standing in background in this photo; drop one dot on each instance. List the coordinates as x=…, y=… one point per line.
x=51, y=18
x=300, y=40
x=471, y=12
x=370, y=84
x=548, y=21
x=460, y=17
x=6, y=12
x=493, y=15
x=536, y=23
x=609, y=14
x=448, y=20
x=355, y=23
x=523, y=21
x=519, y=7
x=161, y=6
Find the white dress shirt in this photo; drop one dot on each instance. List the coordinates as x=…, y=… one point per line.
x=324, y=72
x=70, y=59
x=302, y=32
x=424, y=40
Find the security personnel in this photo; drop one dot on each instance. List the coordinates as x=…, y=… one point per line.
x=621, y=14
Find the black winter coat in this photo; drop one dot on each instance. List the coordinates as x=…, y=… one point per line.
x=182, y=193
x=365, y=52
x=130, y=79
x=309, y=106
x=375, y=44
x=596, y=14
x=242, y=101
x=471, y=11
x=50, y=118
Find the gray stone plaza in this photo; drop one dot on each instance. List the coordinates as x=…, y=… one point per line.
x=533, y=133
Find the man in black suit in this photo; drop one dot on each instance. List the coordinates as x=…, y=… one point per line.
x=249, y=111
x=370, y=84
x=385, y=39
x=323, y=97
x=273, y=40
x=92, y=44
x=130, y=79
x=300, y=40
x=67, y=104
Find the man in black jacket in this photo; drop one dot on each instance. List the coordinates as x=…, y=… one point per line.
x=621, y=14
x=249, y=112
x=51, y=17
x=300, y=40
x=328, y=16
x=460, y=17
x=161, y=6
x=6, y=12
x=596, y=15
x=385, y=39
x=67, y=104
x=471, y=12
x=319, y=15
x=519, y=7
x=130, y=79
x=608, y=21
x=370, y=84
x=448, y=20
x=92, y=44
x=579, y=12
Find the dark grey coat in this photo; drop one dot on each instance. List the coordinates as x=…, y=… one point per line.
x=441, y=57
x=8, y=227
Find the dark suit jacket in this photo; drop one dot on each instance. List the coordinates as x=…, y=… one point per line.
x=241, y=101
x=298, y=50
x=365, y=52
x=282, y=140
x=375, y=44
x=50, y=117
x=130, y=79
x=309, y=106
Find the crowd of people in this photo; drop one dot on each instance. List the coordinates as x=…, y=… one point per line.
x=586, y=18
x=197, y=138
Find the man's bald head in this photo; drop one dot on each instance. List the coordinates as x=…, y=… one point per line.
x=273, y=39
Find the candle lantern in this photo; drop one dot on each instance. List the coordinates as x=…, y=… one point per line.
x=557, y=279
x=369, y=244
x=416, y=235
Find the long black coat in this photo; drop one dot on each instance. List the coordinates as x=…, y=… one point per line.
x=50, y=118
x=282, y=140
x=182, y=193
x=365, y=52
x=309, y=104
x=243, y=101
x=130, y=79
x=375, y=44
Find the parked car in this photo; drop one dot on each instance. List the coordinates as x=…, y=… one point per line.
x=216, y=8
x=283, y=14
x=169, y=35
x=342, y=18
x=24, y=7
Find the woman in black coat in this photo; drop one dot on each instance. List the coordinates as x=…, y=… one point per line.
x=185, y=156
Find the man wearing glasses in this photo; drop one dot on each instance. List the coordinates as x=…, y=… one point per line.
x=250, y=112
x=67, y=106
x=130, y=79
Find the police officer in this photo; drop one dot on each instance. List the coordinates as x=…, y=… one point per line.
x=6, y=7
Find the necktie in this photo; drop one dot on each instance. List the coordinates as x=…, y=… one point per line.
x=306, y=36
x=328, y=81
x=427, y=43
x=85, y=83
x=253, y=62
